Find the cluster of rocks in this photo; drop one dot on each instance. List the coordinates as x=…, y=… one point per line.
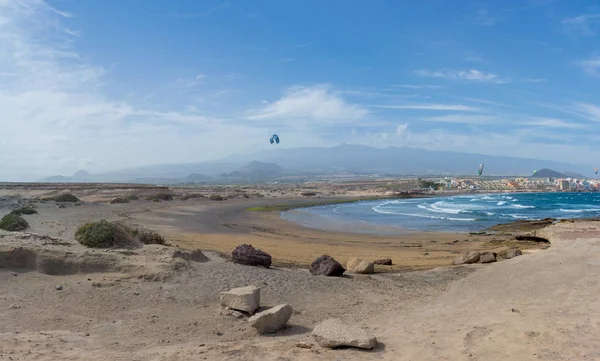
x=331, y=333
x=485, y=257
x=325, y=265
x=245, y=301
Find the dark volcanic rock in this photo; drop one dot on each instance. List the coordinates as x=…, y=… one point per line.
x=327, y=266
x=250, y=256
x=385, y=261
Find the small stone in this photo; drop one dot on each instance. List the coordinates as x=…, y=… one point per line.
x=245, y=299
x=14, y=307
x=466, y=258
x=334, y=333
x=327, y=266
x=59, y=287
x=384, y=261
x=356, y=265
x=136, y=293
x=303, y=345
x=271, y=320
x=487, y=257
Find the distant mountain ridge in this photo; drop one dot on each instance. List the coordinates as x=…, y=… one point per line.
x=549, y=173
x=345, y=158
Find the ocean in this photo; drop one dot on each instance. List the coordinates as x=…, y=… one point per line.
x=461, y=213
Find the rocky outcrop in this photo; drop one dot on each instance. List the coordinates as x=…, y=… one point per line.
x=487, y=257
x=465, y=258
x=245, y=299
x=271, y=320
x=384, y=261
x=334, y=333
x=510, y=253
x=327, y=266
x=247, y=255
x=196, y=255
x=356, y=265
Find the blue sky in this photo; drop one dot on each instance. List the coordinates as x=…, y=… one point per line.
x=107, y=84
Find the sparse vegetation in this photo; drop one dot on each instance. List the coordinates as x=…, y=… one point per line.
x=160, y=197
x=66, y=197
x=13, y=222
x=192, y=195
x=126, y=199
x=24, y=210
x=217, y=197
x=105, y=234
x=149, y=237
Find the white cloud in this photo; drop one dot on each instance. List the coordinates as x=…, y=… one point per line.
x=553, y=123
x=315, y=103
x=424, y=86
x=55, y=118
x=484, y=18
x=587, y=111
x=451, y=107
x=463, y=119
x=470, y=75
x=401, y=129
x=591, y=66
x=583, y=25
x=535, y=80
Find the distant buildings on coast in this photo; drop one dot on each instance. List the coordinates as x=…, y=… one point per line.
x=533, y=184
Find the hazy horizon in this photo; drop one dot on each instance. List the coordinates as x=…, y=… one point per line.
x=108, y=85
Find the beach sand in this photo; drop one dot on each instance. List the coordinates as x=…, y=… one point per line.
x=148, y=305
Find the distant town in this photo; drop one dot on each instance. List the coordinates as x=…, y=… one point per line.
x=525, y=184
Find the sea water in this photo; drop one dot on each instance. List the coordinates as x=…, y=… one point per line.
x=461, y=213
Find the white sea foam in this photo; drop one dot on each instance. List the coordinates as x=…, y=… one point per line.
x=520, y=206
x=501, y=203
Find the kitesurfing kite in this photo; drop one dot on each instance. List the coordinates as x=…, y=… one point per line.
x=480, y=169
x=274, y=138
x=595, y=170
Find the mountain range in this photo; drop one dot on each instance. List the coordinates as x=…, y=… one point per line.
x=345, y=158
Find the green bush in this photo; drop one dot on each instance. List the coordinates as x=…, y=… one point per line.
x=103, y=234
x=24, y=210
x=217, y=197
x=66, y=197
x=193, y=195
x=13, y=222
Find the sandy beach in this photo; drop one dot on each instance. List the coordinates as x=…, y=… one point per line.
x=150, y=304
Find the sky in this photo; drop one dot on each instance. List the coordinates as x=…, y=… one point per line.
x=109, y=84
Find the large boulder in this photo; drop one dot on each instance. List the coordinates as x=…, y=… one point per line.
x=487, y=257
x=384, y=261
x=510, y=253
x=327, y=266
x=250, y=256
x=334, y=333
x=356, y=265
x=465, y=258
x=271, y=320
x=245, y=299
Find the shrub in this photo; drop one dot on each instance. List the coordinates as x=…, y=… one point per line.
x=66, y=197
x=24, y=210
x=103, y=234
x=193, y=195
x=160, y=197
x=149, y=237
x=217, y=197
x=13, y=222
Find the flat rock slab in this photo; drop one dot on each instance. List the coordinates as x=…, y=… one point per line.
x=271, y=320
x=466, y=258
x=334, y=333
x=245, y=299
x=357, y=265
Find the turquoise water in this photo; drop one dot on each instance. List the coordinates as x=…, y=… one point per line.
x=463, y=213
